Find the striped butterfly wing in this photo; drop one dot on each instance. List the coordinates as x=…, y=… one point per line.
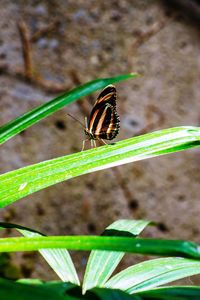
x=104, y=120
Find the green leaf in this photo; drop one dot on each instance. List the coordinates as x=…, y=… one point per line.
x=121, y=244
x=59, y=259
x=153, y=273
x=15, y=126
x=31, y=289
x=25, y=181
x=108, y=294
x=97, y=293
x=101, y=264
x=10, y=290
x=172, y=293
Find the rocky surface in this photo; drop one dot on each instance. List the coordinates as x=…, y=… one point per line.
x=98, y=39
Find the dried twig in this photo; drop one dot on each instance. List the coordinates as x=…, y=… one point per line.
x=44, y=30
x=26, y=49
x=47, y=85
x=28, y=73
x=143, y=36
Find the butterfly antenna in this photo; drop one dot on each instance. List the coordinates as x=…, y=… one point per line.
x=76, y=120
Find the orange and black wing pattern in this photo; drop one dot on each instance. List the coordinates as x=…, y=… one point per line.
x=104, y=120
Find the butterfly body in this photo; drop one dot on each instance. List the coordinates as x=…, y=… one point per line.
x=89, y=134
x=104, y=122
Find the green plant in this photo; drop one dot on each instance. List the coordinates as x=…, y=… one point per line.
x=136, y=282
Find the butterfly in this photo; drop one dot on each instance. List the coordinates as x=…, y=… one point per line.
x=103, y=123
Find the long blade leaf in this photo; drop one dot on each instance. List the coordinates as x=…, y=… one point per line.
x=172, y=293
x=101, y=264
x=59, y=259
x=25, y=181
x=153, y=273
x=109, y=294
x=21, y=123
x=121, y=244
x=32, y=289
x=10, y=290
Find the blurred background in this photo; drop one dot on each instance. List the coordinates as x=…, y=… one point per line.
x=48, y=47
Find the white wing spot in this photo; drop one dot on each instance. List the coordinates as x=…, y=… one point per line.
x=22, y=186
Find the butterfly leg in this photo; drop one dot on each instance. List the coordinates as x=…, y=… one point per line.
x=103, y=141
x=95, y=145
x=91, y=142
x=83, y=147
